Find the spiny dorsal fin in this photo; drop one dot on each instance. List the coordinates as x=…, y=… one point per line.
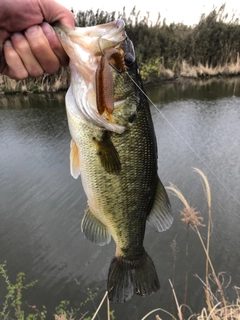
x=74, y=160
x=94, y=230
x=108, y=154
x=160, y=217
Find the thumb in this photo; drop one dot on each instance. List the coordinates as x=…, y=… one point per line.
x=53, y=11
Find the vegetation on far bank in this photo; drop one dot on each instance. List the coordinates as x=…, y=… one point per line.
x=164, y=52
x=217, y=305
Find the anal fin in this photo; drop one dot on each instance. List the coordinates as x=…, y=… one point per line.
x=94, y=230
x=160, y=217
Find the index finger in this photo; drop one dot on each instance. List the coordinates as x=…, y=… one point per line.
x=55, y=44
x=41, y=49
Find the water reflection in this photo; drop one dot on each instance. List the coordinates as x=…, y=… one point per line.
x=210, y=89
x=42, y=206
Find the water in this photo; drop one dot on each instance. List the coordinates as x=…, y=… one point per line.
x=42, y=205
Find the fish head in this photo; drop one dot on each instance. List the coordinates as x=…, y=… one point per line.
x=86, y=47
x=85, y=44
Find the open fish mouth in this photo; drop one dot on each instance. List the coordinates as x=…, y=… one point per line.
x=109, y=34
x=86, y=47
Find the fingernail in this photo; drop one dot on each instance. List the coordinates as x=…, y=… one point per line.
x=47, y=29
x=17, y=35
x=32, y=30
x=8, y=43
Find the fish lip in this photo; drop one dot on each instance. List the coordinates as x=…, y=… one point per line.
x=101, y=37
x=111, y=29
x=120, y=23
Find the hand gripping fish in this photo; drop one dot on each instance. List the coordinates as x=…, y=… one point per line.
x=114, y=149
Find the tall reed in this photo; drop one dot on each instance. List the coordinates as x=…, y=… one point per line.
x=164, y=51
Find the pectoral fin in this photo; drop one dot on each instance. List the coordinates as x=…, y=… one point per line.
x=160, y=217
x=108, y=154
x=74, y=160
x=94, y=230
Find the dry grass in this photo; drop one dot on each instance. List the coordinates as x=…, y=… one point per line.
x=46, y=83
x=214, y=310
x=200, y=71
x=150, y=73
x=165, y=73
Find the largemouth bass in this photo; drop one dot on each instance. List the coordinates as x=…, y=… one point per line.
x=114, y=149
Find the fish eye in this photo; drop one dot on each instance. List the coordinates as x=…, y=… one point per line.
x=129, y=60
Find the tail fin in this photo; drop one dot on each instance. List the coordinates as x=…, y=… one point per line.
x=125, y=278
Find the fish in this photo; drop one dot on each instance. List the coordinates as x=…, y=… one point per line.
x=114, y=151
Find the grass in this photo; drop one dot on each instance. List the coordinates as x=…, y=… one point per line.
x=215, y=308
x=164, y=52
x=47, y=83
x=205, y=71
x=153, y=71
x=14, y=308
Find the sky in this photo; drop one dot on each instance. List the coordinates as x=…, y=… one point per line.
x=186, y=11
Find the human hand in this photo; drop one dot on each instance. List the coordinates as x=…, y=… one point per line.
x=30, y=47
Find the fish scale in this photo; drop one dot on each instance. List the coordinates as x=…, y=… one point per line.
x=114, y=150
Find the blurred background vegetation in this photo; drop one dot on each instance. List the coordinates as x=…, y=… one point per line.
x=164, y=52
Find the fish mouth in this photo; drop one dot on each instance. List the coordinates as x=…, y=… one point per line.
x=114, y=29
x=85, y=47
x=95, y=31
x=96, y=38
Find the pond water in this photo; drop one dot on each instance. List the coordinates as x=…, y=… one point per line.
x=197, y=125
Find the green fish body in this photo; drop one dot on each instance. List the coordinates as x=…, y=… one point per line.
x=114, y=150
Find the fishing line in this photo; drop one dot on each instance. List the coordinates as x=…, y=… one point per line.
x=179, y=134
x=171, y=125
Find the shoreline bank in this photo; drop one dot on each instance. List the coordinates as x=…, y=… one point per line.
x=60, y=82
